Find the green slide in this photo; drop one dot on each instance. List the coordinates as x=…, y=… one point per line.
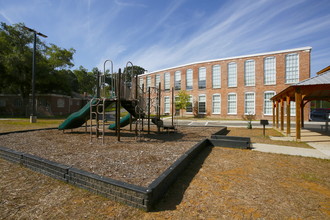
x=123, y=122
x=77, y=119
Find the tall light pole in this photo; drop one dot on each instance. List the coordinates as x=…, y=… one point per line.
x=33, y=116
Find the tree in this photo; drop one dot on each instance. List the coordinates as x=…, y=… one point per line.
x=86, y=80
x=52, y=63
x=137, y=70
x=182, y=101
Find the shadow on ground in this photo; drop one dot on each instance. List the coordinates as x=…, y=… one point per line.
x=174, y=195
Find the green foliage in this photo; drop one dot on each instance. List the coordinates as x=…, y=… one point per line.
x=86, y=80
x=182, y=100
x=137, y=70
x=52, y=63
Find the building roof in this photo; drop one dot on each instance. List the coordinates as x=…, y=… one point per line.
x=327, y=69
x=237, y=57
x=315, y=88
x=323, y=78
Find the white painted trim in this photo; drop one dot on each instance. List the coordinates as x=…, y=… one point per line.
x=307, y=49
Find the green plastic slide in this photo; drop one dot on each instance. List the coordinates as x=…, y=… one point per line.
x=123, y=122
x=77, y=119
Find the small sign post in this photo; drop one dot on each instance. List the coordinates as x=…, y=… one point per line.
x=264, y=123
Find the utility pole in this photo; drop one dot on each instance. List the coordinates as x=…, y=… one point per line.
x=33, y=116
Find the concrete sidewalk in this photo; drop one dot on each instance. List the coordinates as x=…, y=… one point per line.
x=297, y=151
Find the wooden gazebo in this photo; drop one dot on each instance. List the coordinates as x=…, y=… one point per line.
x=315, y=88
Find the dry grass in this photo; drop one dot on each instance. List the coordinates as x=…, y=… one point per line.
x=256, y=135
x=220, y=184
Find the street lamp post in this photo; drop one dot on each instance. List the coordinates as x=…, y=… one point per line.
x=33, y=116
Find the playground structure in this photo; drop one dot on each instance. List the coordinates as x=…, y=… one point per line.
x=122, y=90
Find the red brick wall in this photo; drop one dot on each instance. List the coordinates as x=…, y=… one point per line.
x=258, y=89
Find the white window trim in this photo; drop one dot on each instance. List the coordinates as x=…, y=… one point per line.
x=216, y=113
x=232, y=93
x=254, y=101
x=175, y=79
x=297, y=68
x=217, y=87
x=232, y=86
x=202, y=67
x=203, y=113
x=263, y=104
x=169, y=76
x=192, y=105
x=169, y=110
x=254, y=83
x=192, y=79
x=269, y=84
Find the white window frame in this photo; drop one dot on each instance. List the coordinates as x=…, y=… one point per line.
x=190, y=100
x=189, y=79
x=270, y=70
x=269, y=102
x=247, y=101
x=177, y=80
x=228, y=104
x=199, y=101
x=291, y=68
x=167, y=81
x=201, y=77
x=232, y=74
x=218, y=102
x=167, y=104
x=148, y=82
x=249, y=73
x=157, y=80
x=216, y=76
x=141, y=82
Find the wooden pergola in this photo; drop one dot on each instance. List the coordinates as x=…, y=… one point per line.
x=315, y=88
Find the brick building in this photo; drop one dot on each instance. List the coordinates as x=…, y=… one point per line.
x=231, y=87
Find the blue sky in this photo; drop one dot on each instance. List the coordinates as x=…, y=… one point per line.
x=157, y=34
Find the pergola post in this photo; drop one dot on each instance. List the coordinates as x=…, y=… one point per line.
x=288, y=116
x=274, y=106
x=282, y=114
x=298, y=113
x=277, y=113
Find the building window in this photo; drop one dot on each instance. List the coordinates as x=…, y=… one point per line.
x=166, y=104
x=189, y=79
x=292, y=108
x=291, y=68
x=189, y=107
x=269, y=71
x=249, y=74
x=268, y=104
x=202, y=78
x=232, y=103
x=157, y=80
x=177, y=80
x=60, y=103
x=141, y=82
x=148, y=83
x=167, y=81
x=2, y=103
x=201, y=104
x=232, y=74
x=216, y=77
x=216, y=104
x=249, y=103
